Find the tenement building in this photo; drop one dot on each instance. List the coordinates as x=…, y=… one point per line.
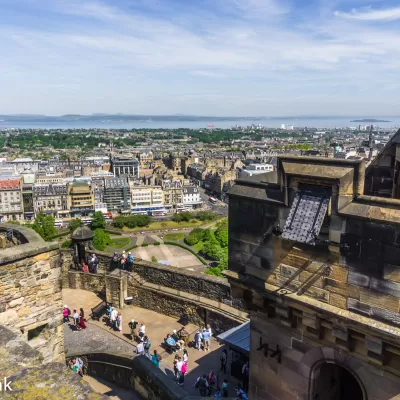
x=317, y=264
x=11, y=201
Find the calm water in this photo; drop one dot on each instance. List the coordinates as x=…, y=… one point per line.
x=267, y=122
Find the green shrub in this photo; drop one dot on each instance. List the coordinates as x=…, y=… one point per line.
x=154, y=259
x=135, y=246
x=157, y=243
x=131, y=221
x=66, y=243
x=206, y=216
x=145, y=244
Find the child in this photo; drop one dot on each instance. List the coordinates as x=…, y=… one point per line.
x=225, y=388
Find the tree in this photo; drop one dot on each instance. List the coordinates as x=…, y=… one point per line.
x=222, y=237
x=74, y=223
x=154, y=259
x=44, y=226
x=100, y=239
x=98, y=220
x=191, y=240
x=119, y=222
x=212, y=250
x=207, y=236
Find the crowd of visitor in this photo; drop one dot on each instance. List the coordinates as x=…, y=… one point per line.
x=123, y=261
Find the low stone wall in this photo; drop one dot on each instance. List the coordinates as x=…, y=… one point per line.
x=213, y=287
x=95, y=283
x=137, y=373
x=177, y=307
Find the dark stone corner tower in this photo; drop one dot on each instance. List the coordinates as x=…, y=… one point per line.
x=317, y=264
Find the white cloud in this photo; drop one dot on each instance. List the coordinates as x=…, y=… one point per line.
x=368, y=14
x=104, y=50
x=208, y=74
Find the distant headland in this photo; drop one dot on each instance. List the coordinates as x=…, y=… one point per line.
x=369, y=120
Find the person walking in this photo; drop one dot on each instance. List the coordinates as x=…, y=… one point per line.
x=225, y=388
x=156, y=358
x=212, y=380
x=129, y=261
x=181, y=372
x=119, y=322
x=66, y=314
x=206, y=339
x=95, y=263
x=147, y=345
x=197, y=340
x=114, y=314
x=175, y=367
x=202, y=385
x=224, y=360
x=132, y=326
x=140, y=348
x=142, y=331
x=82, y=319
x=185, y=357
x=76, y=321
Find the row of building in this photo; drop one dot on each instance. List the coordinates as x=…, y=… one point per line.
x=21, y=197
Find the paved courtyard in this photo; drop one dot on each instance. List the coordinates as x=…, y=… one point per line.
x=175, y=256
x=98, y=336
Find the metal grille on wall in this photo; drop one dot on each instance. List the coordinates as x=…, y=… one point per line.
x=306, y=217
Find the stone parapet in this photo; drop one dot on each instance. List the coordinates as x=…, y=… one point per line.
x=137, y=373
x=30, y=293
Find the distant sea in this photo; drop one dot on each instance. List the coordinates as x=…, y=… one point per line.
x=273, y=122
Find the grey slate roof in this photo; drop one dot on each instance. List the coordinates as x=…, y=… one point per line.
x=238, y=337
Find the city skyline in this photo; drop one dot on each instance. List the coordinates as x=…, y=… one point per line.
x=239, y=57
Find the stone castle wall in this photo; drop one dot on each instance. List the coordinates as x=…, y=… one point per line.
x=30, y=293
x=137, y=373
x=215, y=288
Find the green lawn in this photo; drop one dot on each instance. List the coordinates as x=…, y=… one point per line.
x=119, y=243
x=164, y=225
x=174, y=236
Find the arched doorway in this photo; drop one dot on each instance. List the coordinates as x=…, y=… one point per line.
x=331, y=381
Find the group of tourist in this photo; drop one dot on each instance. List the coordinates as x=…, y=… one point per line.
x=202, y=338
x=78, y=318
x=114, y=319
x=123, y=261
x=177, y=340
x=91, y=264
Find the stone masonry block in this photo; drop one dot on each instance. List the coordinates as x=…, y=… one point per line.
x=374, y=344
x=337, y=300
x=379, y=300
x=341, y=332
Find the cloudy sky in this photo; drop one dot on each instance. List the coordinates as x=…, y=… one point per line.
x=203, y=57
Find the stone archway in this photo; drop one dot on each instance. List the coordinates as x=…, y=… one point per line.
x=332, y=364
x=331, y=381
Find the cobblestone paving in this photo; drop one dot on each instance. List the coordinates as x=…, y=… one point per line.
x=94, y=338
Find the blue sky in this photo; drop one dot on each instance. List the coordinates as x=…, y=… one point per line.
x=203, y=57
